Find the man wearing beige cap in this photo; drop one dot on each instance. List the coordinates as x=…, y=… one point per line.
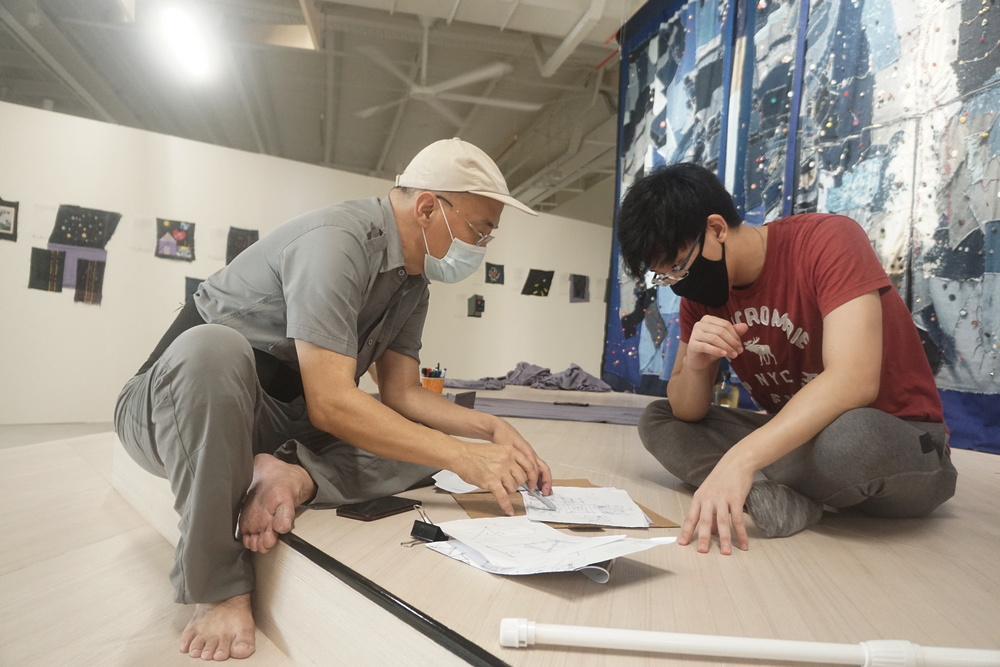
x=249, y=405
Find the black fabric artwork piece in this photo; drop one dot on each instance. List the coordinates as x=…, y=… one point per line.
x=238, y=241
x=46, y=270
x=8, y=220
x=89, y=281
x=538, y=283
x=579, y=288
x=191, y=286
x=494, y=274
x=175, y=239
x=85, y=227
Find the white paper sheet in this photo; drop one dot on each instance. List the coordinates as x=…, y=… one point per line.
x=517, y=546
x=604, y=506
x=448, y=481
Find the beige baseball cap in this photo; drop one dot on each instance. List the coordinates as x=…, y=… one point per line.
x=453, y=165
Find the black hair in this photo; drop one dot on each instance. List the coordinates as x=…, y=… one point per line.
x=667, y=210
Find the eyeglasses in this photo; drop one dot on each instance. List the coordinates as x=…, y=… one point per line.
x=483, y=238
x=677, y=272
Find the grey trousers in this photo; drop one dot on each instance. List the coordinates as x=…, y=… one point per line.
x=866, y=459
x=198, y=417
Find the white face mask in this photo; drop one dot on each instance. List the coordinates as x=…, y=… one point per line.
x=460, y=262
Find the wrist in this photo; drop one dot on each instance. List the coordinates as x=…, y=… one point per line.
x=744, y=457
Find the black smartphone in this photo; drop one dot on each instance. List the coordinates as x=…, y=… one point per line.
x=376, y=509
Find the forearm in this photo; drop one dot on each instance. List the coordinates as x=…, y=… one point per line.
x=809, y=411
x=357, y=418
x=439, y=413
x=690, y=392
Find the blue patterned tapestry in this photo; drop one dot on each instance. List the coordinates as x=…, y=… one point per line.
x=882, y=110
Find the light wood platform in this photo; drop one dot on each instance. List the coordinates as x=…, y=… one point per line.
x=83, y=578
x=935, y=582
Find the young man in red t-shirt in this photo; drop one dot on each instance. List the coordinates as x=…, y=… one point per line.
x=809, y=321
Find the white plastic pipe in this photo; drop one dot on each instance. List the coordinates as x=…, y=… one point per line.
x=520, y=632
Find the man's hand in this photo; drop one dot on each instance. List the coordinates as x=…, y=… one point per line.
x=717, y=507
x=713, y=338
x=539, y=475
x=503, y=465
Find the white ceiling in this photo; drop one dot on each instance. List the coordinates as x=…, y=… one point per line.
x=390, y=77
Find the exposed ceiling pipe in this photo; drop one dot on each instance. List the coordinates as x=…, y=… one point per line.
x=454, y=10
x=573, y=38
x=314, y=22
x=52, y=63
x=425, y=22
x=510, y=15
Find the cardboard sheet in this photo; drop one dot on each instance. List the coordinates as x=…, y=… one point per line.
x=482, y=505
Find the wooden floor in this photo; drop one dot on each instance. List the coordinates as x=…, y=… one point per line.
x=83, y=578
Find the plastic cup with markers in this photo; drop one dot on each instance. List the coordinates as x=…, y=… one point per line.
x=433, y=378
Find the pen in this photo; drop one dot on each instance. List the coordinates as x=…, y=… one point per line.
x=542, y=499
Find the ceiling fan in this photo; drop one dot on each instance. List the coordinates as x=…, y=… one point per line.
x=435, y=93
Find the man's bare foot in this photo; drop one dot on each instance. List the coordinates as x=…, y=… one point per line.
x=269, y=509
x=220, y=630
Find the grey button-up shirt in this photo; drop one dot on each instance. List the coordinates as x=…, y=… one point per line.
x=333, y=277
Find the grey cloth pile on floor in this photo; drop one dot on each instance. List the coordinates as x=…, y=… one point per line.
x=529, y=375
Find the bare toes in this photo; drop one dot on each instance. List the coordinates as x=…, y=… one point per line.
x=242, y=649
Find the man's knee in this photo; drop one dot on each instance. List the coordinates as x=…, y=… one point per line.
x=209, y=354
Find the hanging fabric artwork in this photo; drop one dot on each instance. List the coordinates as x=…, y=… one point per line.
x=191, y=286
x=75, y=254
x=85, y=227
x=538, y=282
x=89, y=281
x=673, y=86
x=579, y=288
x=238, y=241
x=175, y=239
x=846, y=106
x=8, y=220
x=494, y=274
x=46, y=270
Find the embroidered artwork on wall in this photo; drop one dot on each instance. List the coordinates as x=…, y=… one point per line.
x=74, y=254
x=538, y=283
x=494, y=274
x=238, y=241
x=8, y=220
x=46, y=270
x=85, y=227
x=175, y=239
x=191, y=286
x=579, y=288
x=89, y=281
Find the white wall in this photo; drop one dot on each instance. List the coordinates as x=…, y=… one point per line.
x=62, y=361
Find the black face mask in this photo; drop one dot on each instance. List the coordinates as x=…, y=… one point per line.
x=707, y=281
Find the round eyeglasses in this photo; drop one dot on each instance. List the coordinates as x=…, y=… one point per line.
x=483, y=238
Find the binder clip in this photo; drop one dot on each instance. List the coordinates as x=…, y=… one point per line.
x=424, y=530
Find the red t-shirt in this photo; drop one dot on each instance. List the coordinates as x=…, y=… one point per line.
x=815, y=263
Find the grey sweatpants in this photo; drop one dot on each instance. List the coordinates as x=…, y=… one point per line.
x=866, y=458
x=198, y=417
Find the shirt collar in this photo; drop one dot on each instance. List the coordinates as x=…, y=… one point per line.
x=394, y=246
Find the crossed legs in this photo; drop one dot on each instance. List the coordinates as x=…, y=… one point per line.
x=866, y=459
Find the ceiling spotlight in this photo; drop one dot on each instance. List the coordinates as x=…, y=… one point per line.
x=185, y=39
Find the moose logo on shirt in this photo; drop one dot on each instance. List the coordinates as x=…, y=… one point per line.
x=763, y=352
